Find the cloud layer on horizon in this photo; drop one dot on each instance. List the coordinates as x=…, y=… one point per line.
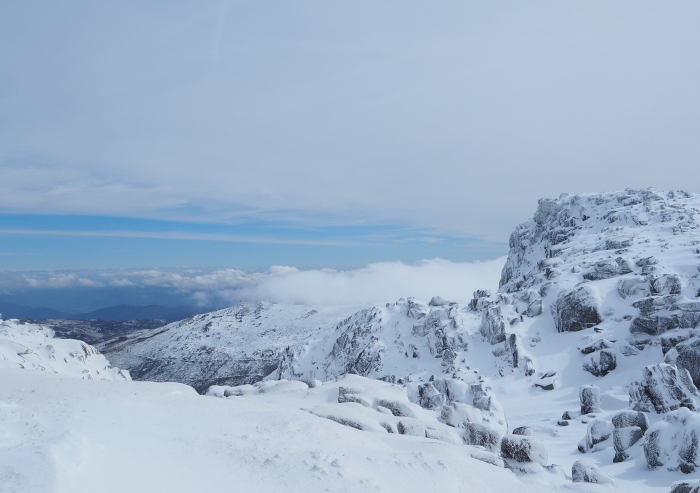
x=375, y=283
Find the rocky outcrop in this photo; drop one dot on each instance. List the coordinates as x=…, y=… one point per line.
x=662, y=388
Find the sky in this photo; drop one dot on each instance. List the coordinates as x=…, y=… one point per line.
x=244, y=135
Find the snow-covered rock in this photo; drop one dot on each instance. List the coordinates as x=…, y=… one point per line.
x=587, y=472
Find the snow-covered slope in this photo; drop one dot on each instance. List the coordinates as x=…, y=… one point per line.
x=233, y=346
x=33, y=347
x=59, y=434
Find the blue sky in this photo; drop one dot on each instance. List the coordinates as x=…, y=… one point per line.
x=246, y=134
x=41, y=242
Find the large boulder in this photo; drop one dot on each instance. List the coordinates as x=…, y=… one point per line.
x=623, y=439
x=576, y=310
x=600, y=363
x=586, y=472
x=589, y=395
x=524, y=449
x=662, y=388
x=673, y=441
x=624, y=419
x=598, y=431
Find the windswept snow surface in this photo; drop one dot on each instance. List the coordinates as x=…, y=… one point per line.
x=65, y=435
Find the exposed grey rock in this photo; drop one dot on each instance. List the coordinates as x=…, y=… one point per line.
x=524, y=449
x=600, y=363
x=643, y=262
x=589, y=395
x=661, y=388
x=587, y=472
x=576, y=310
x=563, y=422
x=523, y=430
x=624, y=438
x=625, y=419
x=493, y=324
x=477, y=434
x=534, y=309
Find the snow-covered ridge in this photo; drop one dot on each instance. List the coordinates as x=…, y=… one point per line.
x=33, y=347
x=598, y=297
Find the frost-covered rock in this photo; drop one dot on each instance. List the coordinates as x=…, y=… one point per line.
x=524, y=449
x=597, y=432
x=673, y=441
x=576, y=310
x=625, y=419
x=410, y=427
x=589, y=395
x=493, y=324
x=600, y=363
x=480, y=435
x=586, y=472
x=623, y=439
x=662, y=388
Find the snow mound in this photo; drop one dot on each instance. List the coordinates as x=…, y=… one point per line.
x=33, y=347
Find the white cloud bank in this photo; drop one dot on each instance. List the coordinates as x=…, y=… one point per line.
x=376, y=283
x=379, y=283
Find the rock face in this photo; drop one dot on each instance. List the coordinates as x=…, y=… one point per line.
x=524, y=449
x=587, y=472
x=662, y=388
x=589, y=395
x=576, y=310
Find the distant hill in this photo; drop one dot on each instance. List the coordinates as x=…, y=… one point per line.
x=131, y=312
x=10, y=310
x=116, y=313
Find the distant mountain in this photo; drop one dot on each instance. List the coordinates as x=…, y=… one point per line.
x=130, y=312
x=10, y=310
x=118, y=313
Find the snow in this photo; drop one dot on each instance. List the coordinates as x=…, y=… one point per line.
x=499, y=361
x=63, y=434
